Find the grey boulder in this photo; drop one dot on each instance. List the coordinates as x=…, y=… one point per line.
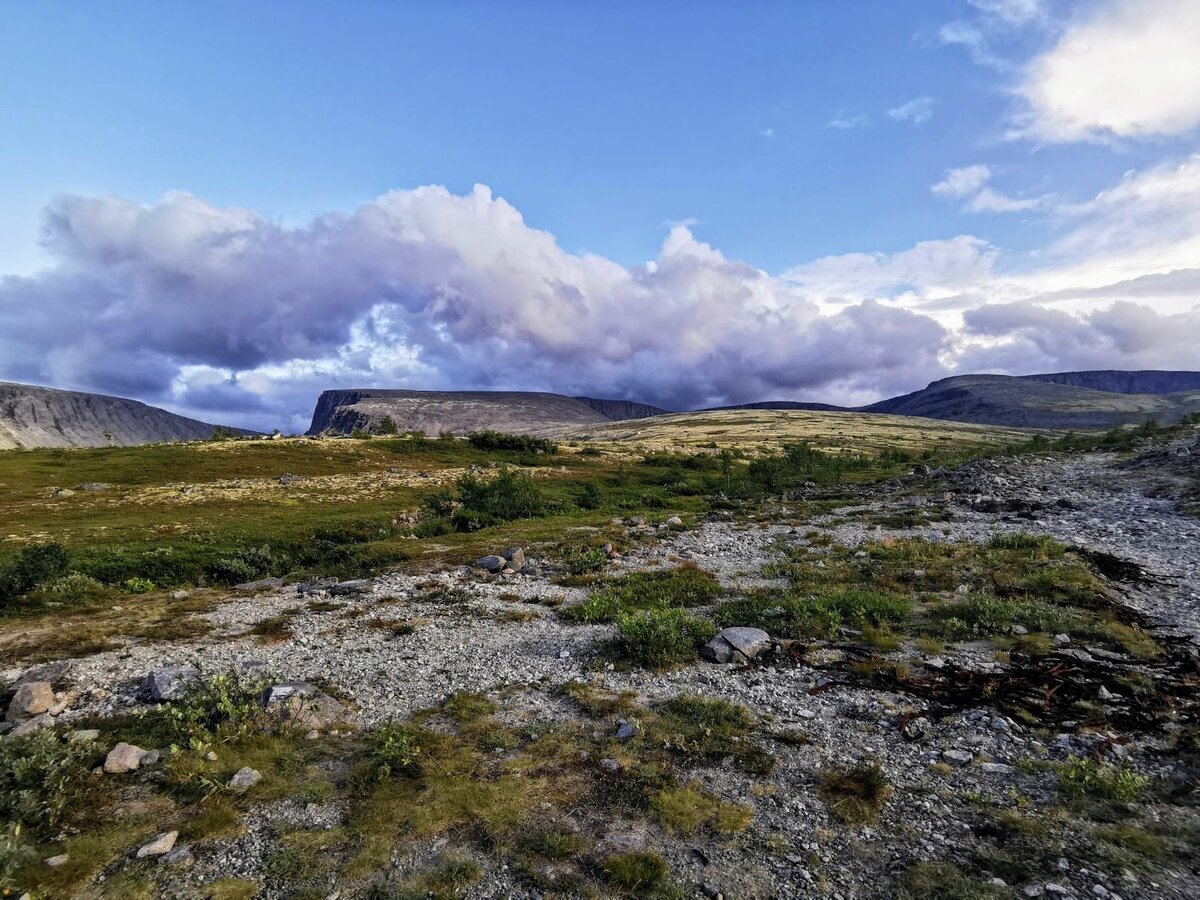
x=491, y=563
x=169, y=683
x=737, y=644
x=304, y=706
x=244, y=779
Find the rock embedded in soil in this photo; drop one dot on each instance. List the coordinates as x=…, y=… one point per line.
x=244, y=779
x=31, y=699
x=303, y=706
x=491, y=563
x=161, y=845
x=123, y=758
x=737, y=644
x=170, y=683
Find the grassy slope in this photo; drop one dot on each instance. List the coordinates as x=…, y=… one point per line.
x=861, y=432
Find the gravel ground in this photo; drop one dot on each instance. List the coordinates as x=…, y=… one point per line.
x=795, y=848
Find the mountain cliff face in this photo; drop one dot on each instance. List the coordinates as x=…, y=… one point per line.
x=44, y=417
x=1150, y=381
x=458, y=412
x=622, y=410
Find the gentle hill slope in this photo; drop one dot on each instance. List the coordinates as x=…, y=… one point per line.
x=33, y=416
x=1034, y=403
x=862, y=432
x=462, y=411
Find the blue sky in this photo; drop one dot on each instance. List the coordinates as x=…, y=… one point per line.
x=780, y=133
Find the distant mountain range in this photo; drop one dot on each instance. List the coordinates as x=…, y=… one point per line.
x=44, y=417
x=1098, y=399
x=33, y=416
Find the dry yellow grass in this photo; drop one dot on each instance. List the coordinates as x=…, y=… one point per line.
x=767, y=429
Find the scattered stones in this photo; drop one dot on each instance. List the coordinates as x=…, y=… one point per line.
x=262, y=584
x=354, y=586
x=123, y=758
x=160, y=846
x=244, y=779
x=515, y=556
x=181, y=856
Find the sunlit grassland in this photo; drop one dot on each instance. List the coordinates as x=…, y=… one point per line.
x=166, y=516
x=770, y=429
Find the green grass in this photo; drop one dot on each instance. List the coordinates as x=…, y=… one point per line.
x=856, y=795
x=687, y=585
x=659, y=638
x=791, y=616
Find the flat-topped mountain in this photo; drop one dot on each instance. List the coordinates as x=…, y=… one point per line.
x=1145, y=381
x=463, y=411
x=1039, y=402
x=32, y=416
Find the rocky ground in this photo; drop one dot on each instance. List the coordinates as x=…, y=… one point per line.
x=467, y=630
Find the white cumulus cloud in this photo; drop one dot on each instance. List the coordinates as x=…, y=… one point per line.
x=1127, y=69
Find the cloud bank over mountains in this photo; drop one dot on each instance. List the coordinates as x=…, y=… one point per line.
x=226, y=314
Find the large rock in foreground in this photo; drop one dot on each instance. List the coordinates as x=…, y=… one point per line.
x=737, y=644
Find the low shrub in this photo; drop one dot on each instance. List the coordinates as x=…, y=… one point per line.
x=687, y=585
x=656, y=638
x=521, y=443
x=584, y=560
x=34, y=565
x=981, y=616
x=249, y=564
x=1082, y=778
x=74, y=587
x=634, y=873
x=44, y=782
x=856, y=795
x=788, y=615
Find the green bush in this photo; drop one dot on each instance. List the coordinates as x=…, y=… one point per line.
x=583, y=560
x=687, y=585
x=796, y=617
x=74, y=587
x=138, y=585
x=217, y=705
x=44, y=781
x=982, y=616
x=34, y=565
x=386, y=425
x=1084, y=778
x=591, y=497
x=247, y=565
x=397, y=749
x=499, y=440
x=509, y=496
x=656, y=638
